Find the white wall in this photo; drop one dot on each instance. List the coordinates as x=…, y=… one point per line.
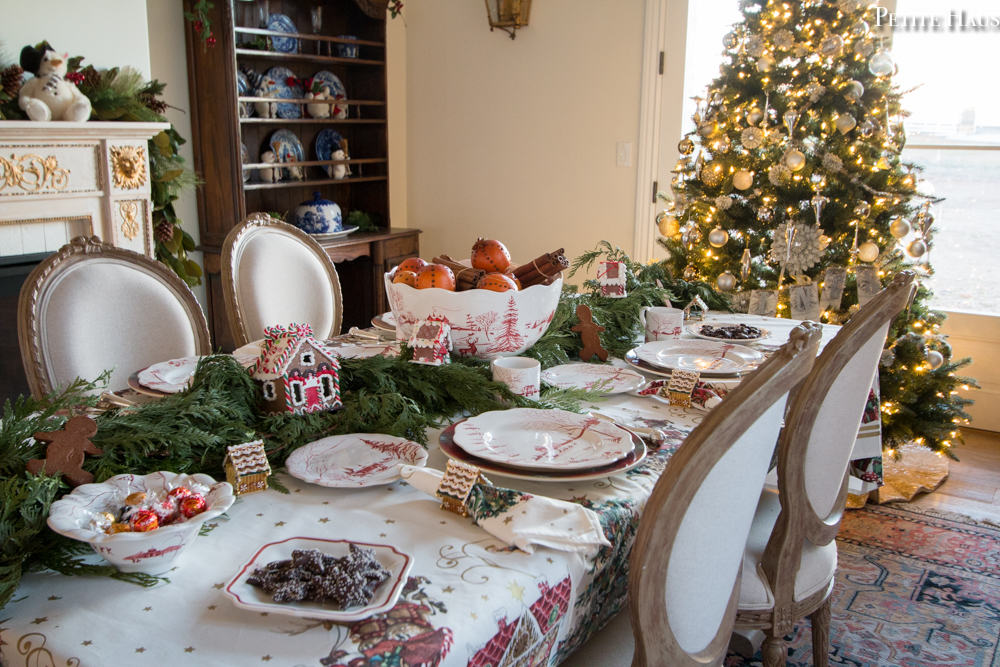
x=110, y=33
x=395, y=55
x=515, y=139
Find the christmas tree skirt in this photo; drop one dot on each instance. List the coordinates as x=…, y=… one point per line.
x=918, y=470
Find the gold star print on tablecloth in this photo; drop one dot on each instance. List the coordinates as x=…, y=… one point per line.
x=448, y=589
x=381, y=534
x=211, y=607
x=141, y=649
x=39, y=621
x=389, y=521
x=218, y=586
x=54, y=597
x=324, y=520
x=189, y=649
x=86, y=642
x=148, y=609
x=486, y=598
x=508, y=520
x=266, y=658
x=279, y=524
x=516, y=592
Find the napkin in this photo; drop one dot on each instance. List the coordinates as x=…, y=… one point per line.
x=706, y=395
x=520, y=519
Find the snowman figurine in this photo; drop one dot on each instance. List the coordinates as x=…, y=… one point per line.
x=48, y=96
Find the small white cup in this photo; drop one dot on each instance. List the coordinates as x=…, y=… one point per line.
x=522, y=375
x=661, y=323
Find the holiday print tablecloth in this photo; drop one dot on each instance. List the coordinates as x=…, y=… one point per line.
x=470, y=599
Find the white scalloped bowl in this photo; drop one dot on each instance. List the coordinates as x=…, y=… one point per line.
x=484, y=324
x=154, y=552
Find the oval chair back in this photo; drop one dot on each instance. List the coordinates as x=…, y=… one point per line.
x=684, y=571
x=275, y=274
x=92, y=307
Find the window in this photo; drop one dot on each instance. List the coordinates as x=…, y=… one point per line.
x=953, y=132
x=298, y=392
x=308, y=358
x=326, y=386
x=269, y=393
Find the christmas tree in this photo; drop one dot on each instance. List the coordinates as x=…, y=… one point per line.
x=792, y=186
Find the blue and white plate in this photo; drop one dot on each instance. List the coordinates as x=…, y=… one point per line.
x=243, y=90
x=286, y=92
x=330, y=80
x=281, y=23
x=245, y=158
x=284, y=143
x=327, y=142
x=335, y=235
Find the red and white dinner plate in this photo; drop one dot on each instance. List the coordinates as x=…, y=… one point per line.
x=604, y=378
x=709, y=358
x=543, y=439
x=173, y=376
x=366, y=350
x=385, y=321
x=252, y=598
x=355, y=460
x=447, y=443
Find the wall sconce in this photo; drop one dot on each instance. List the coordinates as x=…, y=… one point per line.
x=508, y=15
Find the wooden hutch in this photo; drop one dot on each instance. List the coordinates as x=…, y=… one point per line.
x=218, y=131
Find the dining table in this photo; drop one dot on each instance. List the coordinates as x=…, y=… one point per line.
x=470, y=598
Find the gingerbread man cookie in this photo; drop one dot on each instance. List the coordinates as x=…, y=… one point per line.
x=66, y=450
x=590, y=333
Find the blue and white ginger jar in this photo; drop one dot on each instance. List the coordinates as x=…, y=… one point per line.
x=319, y=216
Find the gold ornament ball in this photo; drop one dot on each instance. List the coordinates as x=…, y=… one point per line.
x=731, y=40
x=853, y=90
x=917, y=248
x=899, y=228
x=686, y=146
x=742, y=180
x=754, y=116
x=706, y=129
x=935, y=359
x=795, y=160
x=690, y=272
x=718, y=237
x=868, y=252
x=765, y=64
x=863, y=209
x=669, y=226
x=726, y=281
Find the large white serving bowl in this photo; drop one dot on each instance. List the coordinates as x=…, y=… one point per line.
x=484, y=324
x=153, y=552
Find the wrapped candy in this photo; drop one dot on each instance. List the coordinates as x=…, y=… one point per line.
x=193, y=505
x=144, y=521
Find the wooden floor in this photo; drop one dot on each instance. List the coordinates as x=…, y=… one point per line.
x=973, y=484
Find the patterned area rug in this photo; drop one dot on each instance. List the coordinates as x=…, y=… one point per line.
x=913, y=589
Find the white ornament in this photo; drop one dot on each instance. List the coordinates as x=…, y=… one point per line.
x=723, y=202
x=742, y=180
x=765, y=64
x=805, y=251
x=853, y=90
x=935, y=359
x=868, y=252
x=882, y=64
x=899, y=228
x=845, y=123
x=718, y=237
x=48, y=96
x=726, y=281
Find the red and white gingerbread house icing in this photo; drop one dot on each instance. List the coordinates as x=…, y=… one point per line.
x=431, y=342
x=295, y=372
x=611, y=276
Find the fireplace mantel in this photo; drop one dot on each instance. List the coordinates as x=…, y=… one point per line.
x=59, y=180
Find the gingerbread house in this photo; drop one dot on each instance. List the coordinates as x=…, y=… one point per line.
x=296, y=372
x=696, y=310
x=247, y=468
x=431, y=342
x=611, y=276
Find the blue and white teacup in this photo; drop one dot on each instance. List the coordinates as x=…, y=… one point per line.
x=347, y=50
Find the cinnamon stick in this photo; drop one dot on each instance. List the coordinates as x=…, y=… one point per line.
x=542, y=270
x=465, y=277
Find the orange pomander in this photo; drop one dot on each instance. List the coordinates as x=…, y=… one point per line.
x=406, y=277
x=498, y=282
x=436, y=275
x=413, y=265
x=490, y=255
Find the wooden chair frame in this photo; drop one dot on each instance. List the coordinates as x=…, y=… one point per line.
x=232, y=250
x=797, y=520
x=82, y=249
x=655, y=643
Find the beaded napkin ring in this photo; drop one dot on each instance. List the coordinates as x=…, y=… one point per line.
x=456, y=485
x=681, y=386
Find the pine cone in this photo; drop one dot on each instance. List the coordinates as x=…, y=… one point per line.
x=11, y=79
x=164, y=231
x=91, y=77
x=152, y=102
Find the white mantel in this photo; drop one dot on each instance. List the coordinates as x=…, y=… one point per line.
x=59, y=180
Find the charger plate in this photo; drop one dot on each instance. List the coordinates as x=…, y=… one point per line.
x=446, y=442
x=610, y=379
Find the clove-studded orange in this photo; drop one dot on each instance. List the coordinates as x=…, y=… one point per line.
x=490, y=255
x=405, y=277
x=413, y=264
x=498, y=282
x=436, y=275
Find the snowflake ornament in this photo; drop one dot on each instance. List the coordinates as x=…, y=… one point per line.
x=752, y=137
x=806, y=249
x=832, y=163
x=784, y=39
x=779, y=175
x=815, y=91
x=723, y=202
x=755, y=46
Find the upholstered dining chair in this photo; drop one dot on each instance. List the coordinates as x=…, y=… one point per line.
x=684, y=570
x=273, y=273
x=91, y=307
x=791, y=555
